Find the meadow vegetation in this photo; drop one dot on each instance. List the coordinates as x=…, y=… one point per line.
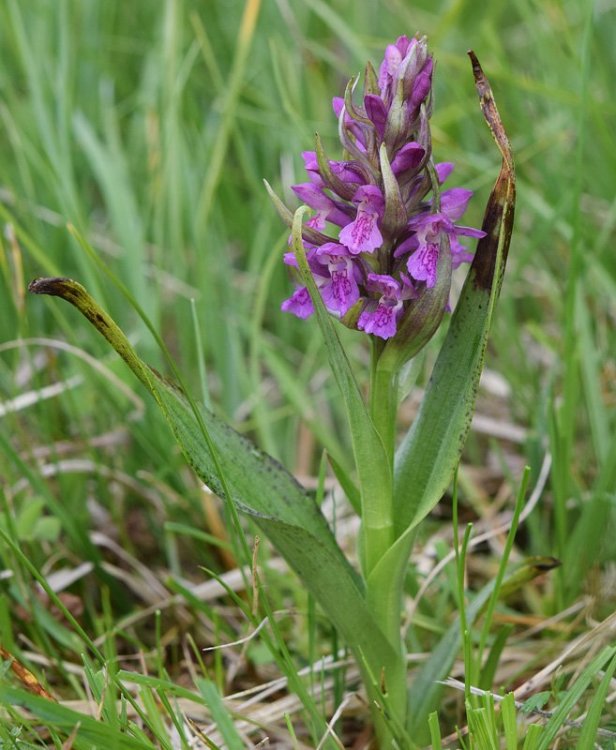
x=133, y=612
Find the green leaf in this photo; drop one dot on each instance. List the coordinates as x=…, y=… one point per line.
x=536, y=702
x=426, y=688
x=428, y=455
x=259, y=487
x=597, y=707
x=533, y=734
x=47, y=529
x=220, y=714
x=510, y=722
x=435, y=731
x=488, y=670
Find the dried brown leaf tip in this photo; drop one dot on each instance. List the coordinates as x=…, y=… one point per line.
x=25, y=676
x=493, y=248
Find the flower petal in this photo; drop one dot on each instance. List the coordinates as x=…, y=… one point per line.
x=379, y=319
x=362, y=235
x=423, y=262
x=454, y=202
x=377, y=113
x=443, y=170
x=299, y=304
x=408, y=157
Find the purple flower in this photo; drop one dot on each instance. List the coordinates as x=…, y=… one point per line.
x=326, y=209
x=340, y=291
x=380, y=317
x=395, y=65
x=426, y=240
x=374, y=239
x=376, y=112
x=443, y=170
x=362, y=235
x=299, y=303
x=423, y=262
x=408, y=158
x=336, y=275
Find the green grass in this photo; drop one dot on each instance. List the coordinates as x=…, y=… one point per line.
x=149, y=127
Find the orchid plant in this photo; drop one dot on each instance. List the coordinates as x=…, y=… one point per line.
x=376, y=254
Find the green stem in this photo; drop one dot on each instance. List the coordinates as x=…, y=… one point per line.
x=384, y=593
x=378, y=523
x=384, y=403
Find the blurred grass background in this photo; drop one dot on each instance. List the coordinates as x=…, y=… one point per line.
x=149, y=126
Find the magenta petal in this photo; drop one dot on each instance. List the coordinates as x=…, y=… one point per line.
x=454, y=202
x=312, y=195
x=380, y=321
x=421, y=88
x=408, y=157
x=406, y=246
x=369, y=197
x=443, y=170
x=384, y=284
x=341, y=293
x=290, y=259
x=317, y=221
x=422, y=264
x=333, y=249
x=459, y=254
x=310, y=160
x=470, y=232
x=362, y=235
x=377, y=113
x=337, y=105
x=348, y=171
x=403, y=43
x=299, y=304
x=390, y=64
x=408, y=288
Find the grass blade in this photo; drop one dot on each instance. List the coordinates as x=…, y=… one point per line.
x=593, y=718
x=220, y=714
x=572, y=698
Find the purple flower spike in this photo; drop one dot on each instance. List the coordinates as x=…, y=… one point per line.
x=363, y=235
x=374, y=241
